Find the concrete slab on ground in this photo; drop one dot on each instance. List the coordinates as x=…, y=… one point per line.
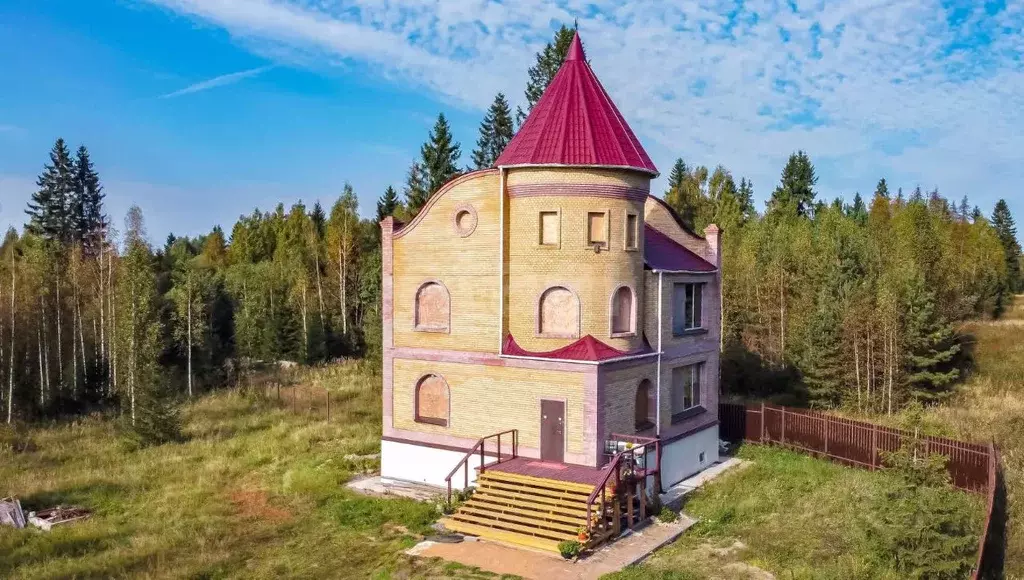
x=674, y=495
x=500, y=558
x=379, y=486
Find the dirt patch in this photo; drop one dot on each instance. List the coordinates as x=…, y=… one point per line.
x=254, y=503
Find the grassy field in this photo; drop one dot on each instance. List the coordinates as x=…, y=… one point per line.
x=255, y=492
x=787, y=514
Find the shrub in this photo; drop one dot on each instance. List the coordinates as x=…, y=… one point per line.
x=569, y=549
x=667, y=516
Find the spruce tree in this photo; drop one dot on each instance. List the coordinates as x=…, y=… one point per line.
x=823, y=360
x=882, y=189
x=1006, y=230
x=87, y=203
x=416, y=192
x=496, y=131
x=48, y=208
x=745, y=196
x=318, y=218
x=678, y=175
x=387, y=204
x=930, y=344
x=857, y=211
x=548, y=61
x=440, y=156
x=795, y=192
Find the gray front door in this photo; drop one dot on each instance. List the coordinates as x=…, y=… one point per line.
x=552, y=431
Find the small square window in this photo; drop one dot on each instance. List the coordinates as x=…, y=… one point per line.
x=632, y=236
x=597, y=228
x=549, y=228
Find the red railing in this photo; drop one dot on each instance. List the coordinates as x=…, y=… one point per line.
x=480, y=447
x=624, y=465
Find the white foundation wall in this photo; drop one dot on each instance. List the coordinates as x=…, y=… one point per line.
x=681, y=459
x=421, y=464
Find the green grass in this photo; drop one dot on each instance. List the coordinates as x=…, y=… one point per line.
x=255, y=492
x=788, y=514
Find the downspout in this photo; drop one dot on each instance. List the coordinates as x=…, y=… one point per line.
x=657, y=391
x=501, y=258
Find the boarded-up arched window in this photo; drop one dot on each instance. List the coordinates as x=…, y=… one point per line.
x=644, y=407
x=558, y=314
x=622, y=311
x=433, y=309
x=432, y=401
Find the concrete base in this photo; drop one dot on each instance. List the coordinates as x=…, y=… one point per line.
x=422, y=464
x=689, y=455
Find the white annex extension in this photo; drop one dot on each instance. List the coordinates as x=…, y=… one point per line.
x=421, y=464
x=688, y=456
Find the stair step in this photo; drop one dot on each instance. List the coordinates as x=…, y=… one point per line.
x=529, y=508
x=534, y=520
x=530, y=530
x=500, y=535
x=532, y=501
x=542, y=482
x=572, y=497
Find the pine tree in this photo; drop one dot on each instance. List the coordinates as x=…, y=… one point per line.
x=416, y=189
x=440, y=156
x=795, y=192
x=387, y=204
x=548, y=61
x=496, y=131
x=49, y=206
x=1005, y=228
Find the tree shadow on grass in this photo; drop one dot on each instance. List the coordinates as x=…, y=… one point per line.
x=99, y=496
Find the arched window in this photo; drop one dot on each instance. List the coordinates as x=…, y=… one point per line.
x=558, y=313
x=432, y=401
x=433, y=308
x=645, y=404
x=623, y=318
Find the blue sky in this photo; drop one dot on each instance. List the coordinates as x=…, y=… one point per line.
x=200, y=110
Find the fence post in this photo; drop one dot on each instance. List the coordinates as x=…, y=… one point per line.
x=783, y=425
x=828, y=421
x=874, y=444
x=762, y=421
x=328, y=406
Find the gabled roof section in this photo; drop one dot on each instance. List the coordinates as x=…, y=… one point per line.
x=575, y=122
x=663, y=253
x=587, y=348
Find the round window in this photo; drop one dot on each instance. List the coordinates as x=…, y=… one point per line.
x=464, y=220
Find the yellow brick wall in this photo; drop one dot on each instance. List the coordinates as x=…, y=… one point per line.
x=620, y=396
x=468, y=267
x=593, y=276
x=490, y=399
x=656, y=216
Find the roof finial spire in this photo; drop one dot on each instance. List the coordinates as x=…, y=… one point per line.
x=576, y=48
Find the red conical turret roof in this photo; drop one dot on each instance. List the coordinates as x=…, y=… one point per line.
x=575, y=122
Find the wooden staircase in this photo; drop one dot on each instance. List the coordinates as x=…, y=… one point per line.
x=521, y=509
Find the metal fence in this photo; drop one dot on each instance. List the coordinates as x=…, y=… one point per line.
x=301, y=400
x=972, y=467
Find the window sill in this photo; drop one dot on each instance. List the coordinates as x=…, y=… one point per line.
x=690, y=332
x=644, y=426
x=436, y=329
x=432, y=421
x=548, y=246
x=687, y=414
x=629, y=334
x=553, y=335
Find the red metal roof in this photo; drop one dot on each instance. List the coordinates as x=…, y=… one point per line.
x=587, y=348
x=663, y=253
x=575, y=122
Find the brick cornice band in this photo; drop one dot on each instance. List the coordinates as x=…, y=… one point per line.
x=578, y=189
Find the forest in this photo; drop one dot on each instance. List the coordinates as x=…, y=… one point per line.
x=827, y=303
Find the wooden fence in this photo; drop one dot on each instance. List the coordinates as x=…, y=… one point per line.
x=301, y=400
x=972, y=467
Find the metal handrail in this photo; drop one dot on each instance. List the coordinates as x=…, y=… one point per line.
x=480, y=446
x=615, y=468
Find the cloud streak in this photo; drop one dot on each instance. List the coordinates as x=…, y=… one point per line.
x=218, y=81
x=923, y=92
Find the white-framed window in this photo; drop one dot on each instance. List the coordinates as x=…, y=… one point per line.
x=686, y=381
x=687, y=307
x=631, y=236
x=549, y=228
x=597, y=229
x=623, y=312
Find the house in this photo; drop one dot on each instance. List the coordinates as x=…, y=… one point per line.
x=554, y=309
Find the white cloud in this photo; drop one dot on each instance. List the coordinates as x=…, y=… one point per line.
x=218, y=81
x=853, y=74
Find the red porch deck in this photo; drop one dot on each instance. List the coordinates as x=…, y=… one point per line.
x=549, y=470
